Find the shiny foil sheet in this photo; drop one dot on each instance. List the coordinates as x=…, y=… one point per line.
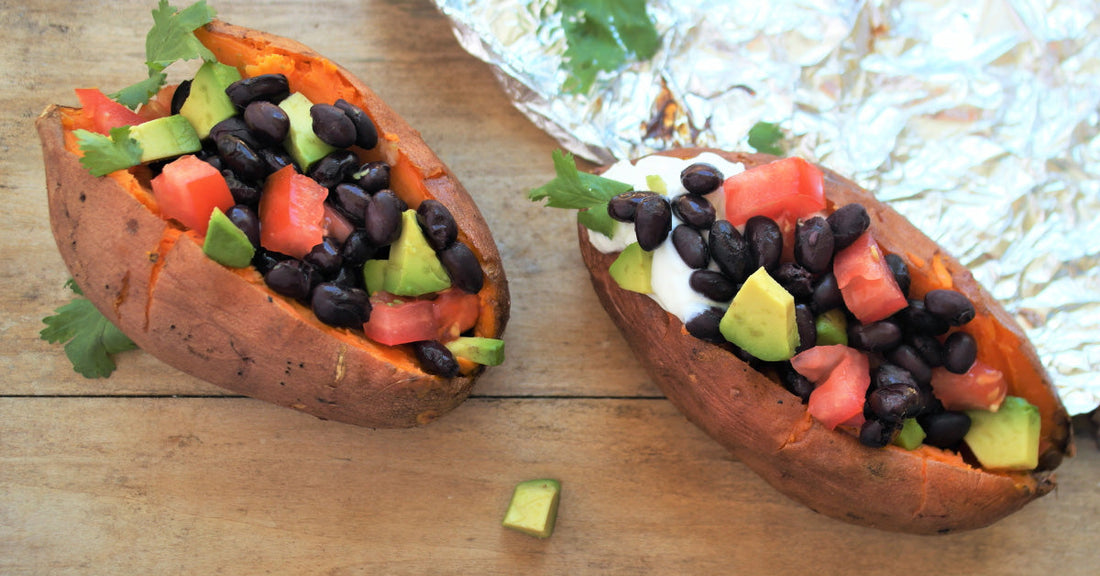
x=977, y=120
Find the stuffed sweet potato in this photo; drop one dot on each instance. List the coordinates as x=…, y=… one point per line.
x=253, y=323
x=823, y=413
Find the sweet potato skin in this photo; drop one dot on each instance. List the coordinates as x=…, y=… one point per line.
x=926, y=491
x=225, y=326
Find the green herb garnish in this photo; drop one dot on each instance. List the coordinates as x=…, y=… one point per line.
x=767, y=138
x=103, y=154
x=576, y=190
x=171, y=39
x=90, y=338
x=600, y=35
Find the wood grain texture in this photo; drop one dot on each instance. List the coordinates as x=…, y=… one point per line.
x=154, y=472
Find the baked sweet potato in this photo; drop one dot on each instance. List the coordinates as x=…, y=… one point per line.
x=926, y=490
x=150, y=277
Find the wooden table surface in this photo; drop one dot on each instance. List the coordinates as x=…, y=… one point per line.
x=154, y=472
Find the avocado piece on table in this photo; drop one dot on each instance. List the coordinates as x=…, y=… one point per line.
x=534, y=507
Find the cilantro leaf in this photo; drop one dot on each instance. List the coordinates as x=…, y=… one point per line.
x=103, y=155
x=90, y=338
x=600, y=35
x=171, y=39
x=573, y=189
x=767, y=138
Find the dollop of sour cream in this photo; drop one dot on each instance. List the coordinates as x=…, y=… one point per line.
x=670, y=276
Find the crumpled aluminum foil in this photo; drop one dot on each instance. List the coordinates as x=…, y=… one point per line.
x=979, y=121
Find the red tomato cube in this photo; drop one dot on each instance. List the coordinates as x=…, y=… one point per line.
x=394, y=321
x=188, y=189
x=783, y=190
x=105, y=113
x=292, y=213
x=841, y=376
x=866, y=282
x=980, y=388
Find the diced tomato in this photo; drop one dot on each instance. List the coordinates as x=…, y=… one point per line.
x=336, y=226
x=981, y=388
x=786, y=189
x=868, y=286
x=188, y=189
x=456, y=311
x=395, y=321
x=841, y=376
x=292, y=213
x=160, y=105
x=105, y=113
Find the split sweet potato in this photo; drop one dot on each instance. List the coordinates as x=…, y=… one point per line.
x=927, y=490
x=150, y=277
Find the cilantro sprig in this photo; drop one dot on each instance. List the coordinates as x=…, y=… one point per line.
x=600, y=35
x=170, y=40
x=576, y=190
x=90, y=339
x=103, y=154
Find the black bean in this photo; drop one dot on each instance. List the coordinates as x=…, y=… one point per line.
x=901, y=272
x=340, y=306
x=959, y=352
x=701, y=178
x=351, y=201
x=622, y=207
x=179, y=96
x=349, y=277
x=334, y=168
x=332, y=126
x=887, y=374
x=765, y=242
x=211, y=157
x=695, y=211
x=275, y=159
x=243, y=192
x=713, y=285
x=241, y=158
x=951, y=306
x=813, y=244
x=795, y=279
x=652, y=222
x=463, y=267
x=848, y=223
x=929, y=348
x=794, y=382
x=366, y=135
x=373, y=176
x=911, y=360
x=877, y=434
x=730, y=251
x=357, y=248
x=270, y=87
x=291, y=278
x=383, y=218
x=265, y=260
x=807, y=329
x=267, y=121
x=875, y=336
x=691, y=246
x=246, y=219
x=234, y=126
x=437, y=223
x=944, y=429
x=827, y=295
x=918, y=320
x=704, y=325
x=326, y=257
x=894, y=402
x=436, y=359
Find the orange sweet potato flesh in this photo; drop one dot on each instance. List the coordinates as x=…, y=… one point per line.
x=150, y=277
x=924, y=491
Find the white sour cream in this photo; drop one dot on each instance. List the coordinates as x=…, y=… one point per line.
x=670, y=276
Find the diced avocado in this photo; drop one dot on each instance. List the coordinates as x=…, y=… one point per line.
x=534, y=507
x=302, y=143
x=761, y=319
x=632, y=269
x=413, y=268
x=207, y=104
x=485, y=351
x=1007, y=439
x=911, y=435
x=165, y=137
x=656, y=184
x=374, y=275
x=225, y=243
x=832, y=328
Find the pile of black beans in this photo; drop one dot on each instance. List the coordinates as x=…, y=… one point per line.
x=903, y=348
x=247, y=148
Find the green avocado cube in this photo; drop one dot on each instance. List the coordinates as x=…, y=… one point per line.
x=534, y=507
x=207, y=103
x=911, y=435
x=414, y=269
x=225, y=243
x=761, y=319
x=1007, y=439
x=165, y=137
x=302, y=142
x=478, y=349
x=632, y=269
